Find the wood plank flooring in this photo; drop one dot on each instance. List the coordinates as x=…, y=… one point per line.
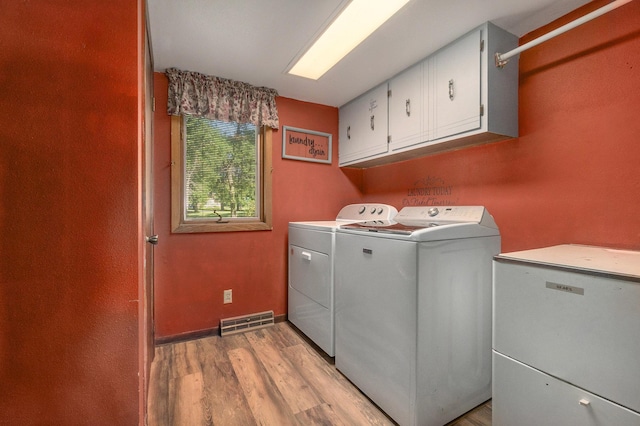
x=272, y=376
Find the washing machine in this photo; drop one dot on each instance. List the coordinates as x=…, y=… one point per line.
x=413, y=311
x=311, y=269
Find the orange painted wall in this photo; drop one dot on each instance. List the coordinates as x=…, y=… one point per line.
x=192, y=270
x=69, y=198
x=573, y=175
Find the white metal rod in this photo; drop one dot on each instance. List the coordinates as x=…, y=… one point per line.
x=503, y=58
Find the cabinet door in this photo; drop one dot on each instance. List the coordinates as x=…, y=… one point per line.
x=456, y=86
x=364, y=126
x=405, y=108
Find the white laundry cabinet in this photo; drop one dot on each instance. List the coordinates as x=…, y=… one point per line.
x=454, y=98
x=566, y=321
x=363, y=126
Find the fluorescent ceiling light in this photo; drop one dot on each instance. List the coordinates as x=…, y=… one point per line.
x=356, y=22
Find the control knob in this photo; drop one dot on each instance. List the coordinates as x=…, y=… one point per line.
x=433, y=211
x=362, y=209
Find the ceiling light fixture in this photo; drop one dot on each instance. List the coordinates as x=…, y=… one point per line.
x=354, y=24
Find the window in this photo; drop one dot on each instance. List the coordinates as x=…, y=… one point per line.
x=220, y=176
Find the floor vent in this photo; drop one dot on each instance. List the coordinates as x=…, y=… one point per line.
x=245, y=323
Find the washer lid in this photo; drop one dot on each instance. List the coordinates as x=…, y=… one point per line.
x=384, y=228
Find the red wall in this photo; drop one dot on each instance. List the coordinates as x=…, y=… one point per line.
x=192, y=270
x=69, y=199
x=573, y=175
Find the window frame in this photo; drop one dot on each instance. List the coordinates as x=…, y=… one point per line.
x=178, y=222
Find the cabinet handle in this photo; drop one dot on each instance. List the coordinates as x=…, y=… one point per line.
x=349, y=132
x=372, y=118
x=584, y=402
x=451, y=94
x=407, y=107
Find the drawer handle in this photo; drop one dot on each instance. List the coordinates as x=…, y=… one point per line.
x=584, y=402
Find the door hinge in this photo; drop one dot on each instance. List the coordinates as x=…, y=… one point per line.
x=153, y=104
x=389, y=139
x=389, y=93
x=481, y=110
x=482, y=45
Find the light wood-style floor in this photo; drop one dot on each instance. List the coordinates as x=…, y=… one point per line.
x=271, y=376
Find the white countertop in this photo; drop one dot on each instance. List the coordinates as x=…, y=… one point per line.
x=588, y=258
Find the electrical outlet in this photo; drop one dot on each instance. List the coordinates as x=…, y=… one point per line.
x=227, y=297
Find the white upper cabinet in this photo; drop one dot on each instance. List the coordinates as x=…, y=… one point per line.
x=406, y=109
x=455, y=98
x=454, y=90
x=363, y=127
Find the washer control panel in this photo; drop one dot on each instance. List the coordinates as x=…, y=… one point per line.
x=422, y=216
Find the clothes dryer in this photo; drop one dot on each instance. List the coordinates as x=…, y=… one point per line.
x=311, y=270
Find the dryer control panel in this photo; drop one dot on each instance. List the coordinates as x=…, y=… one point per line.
x=368, y=212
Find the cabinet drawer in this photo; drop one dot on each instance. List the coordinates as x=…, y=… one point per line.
x=524, y=396
x=580, y=327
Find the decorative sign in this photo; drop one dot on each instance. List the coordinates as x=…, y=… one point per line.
x=430, y=191
x=306, y=145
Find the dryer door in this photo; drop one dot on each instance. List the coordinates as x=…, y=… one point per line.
x=310, y=273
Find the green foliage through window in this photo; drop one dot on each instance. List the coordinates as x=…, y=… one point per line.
x=221, y=170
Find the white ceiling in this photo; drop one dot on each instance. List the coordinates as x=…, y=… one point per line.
x=254, y=41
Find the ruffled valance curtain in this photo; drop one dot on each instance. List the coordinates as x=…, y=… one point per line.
x=192, y=93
